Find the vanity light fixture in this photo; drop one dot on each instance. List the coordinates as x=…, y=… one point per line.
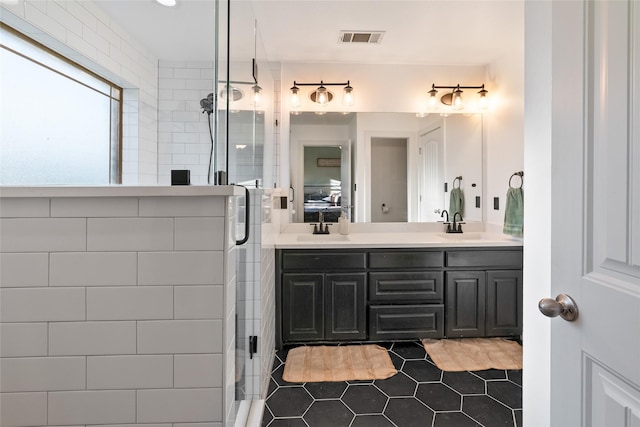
x=256, y=95
x=168, y=3
x=484, y=102
x=321, y=95
x=295, y=96
x=454, y=98
x=347, y=97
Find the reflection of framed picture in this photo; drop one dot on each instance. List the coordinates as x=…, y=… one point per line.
x=329, y=163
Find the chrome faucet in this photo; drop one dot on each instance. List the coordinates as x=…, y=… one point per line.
x=458, y=228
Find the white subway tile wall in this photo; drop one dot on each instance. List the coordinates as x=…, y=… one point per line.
x=270, y=230
x=184, y=141
x=183, y=133
x=256, y=297
x=116, y=319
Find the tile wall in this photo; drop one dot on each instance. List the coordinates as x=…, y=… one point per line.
x=183, y=133
x=184, y=140
x=255, y=302
x=116, y=310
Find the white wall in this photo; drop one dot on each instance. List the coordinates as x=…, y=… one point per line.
x=504, y=132
x=463, y=154
x=83, y=32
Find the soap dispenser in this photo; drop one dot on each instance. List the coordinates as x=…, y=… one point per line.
x=343, y=221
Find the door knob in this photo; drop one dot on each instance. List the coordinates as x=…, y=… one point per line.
x=563, y=306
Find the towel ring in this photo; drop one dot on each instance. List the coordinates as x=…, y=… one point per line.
x=459, y=179
x=521, y=175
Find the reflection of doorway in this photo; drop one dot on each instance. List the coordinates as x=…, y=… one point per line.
x=322, y=183
x=431, y=173
x=388, y=179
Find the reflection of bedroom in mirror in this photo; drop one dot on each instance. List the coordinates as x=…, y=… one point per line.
x=322, y=183
x=321, y=167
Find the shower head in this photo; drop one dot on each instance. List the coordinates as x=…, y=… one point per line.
x=207, y=104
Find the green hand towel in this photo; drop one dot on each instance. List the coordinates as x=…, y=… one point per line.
x=514, y=213
x=456, y=202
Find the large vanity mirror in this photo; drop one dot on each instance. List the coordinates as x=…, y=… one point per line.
x=385, y=167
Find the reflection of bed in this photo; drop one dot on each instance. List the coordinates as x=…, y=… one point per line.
x=324, y=199
x=311, y=209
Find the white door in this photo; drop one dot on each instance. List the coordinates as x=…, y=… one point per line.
x=595, y=213
x=431, y=174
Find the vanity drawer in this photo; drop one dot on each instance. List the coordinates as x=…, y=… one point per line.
x=484, y=259
x=406, y=259
x=406, y=321
x=321, y=261
x=423, y=286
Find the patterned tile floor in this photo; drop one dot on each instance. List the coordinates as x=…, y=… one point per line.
x=419, y=395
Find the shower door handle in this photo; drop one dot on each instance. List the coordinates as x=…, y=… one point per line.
x=247, y=217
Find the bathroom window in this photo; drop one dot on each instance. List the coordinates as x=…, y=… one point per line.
x=59, y=122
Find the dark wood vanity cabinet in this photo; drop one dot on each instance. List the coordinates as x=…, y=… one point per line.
x=328, y=303
x=485, y=301
x=504, y=317
x=466, y=292
x=397, y=294
x=406, y=293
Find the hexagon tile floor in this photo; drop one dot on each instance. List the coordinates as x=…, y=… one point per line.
x=419, y=395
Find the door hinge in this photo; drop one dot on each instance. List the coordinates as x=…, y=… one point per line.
x=253, y=345
x=420, y=150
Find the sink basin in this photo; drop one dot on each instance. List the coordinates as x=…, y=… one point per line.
x=463, y=236
x=323, y=238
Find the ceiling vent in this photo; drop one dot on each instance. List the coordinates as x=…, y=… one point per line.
x=371, y=37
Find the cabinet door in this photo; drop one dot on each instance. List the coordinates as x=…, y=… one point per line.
x=465, y=304
x=302, y=307
x=345, y=306
x=504, y=303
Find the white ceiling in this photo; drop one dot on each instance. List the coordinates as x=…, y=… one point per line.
x=449, y=32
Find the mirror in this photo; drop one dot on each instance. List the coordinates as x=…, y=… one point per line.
x=385, y=167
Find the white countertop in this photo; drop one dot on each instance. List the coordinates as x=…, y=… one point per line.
x=121, y=191
x=393, y=240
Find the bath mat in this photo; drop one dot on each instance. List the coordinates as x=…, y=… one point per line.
x=474, y=354
x=337, y=363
